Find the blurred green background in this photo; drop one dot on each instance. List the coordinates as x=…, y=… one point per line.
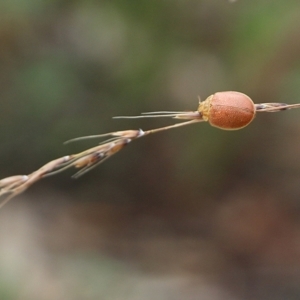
x=193, y=213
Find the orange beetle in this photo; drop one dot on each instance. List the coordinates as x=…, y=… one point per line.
x=228, y=110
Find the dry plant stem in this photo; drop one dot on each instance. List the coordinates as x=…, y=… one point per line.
x=86, y=160
x=14, y=185
x=275, y=107
x=211, y=108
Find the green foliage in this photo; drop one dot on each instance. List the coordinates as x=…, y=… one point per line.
x=67, y=67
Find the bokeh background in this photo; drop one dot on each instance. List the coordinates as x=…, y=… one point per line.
x=193, y=213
